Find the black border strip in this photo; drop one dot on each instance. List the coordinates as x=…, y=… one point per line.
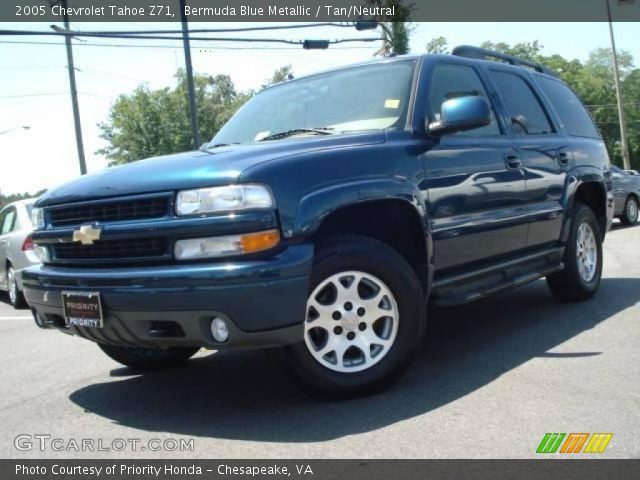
x=322, y=10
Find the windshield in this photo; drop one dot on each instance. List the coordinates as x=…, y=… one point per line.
x=371, y=97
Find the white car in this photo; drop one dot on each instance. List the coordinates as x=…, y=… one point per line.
x=16, y=248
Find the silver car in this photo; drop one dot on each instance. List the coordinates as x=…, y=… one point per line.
x=16, y=248
x=626, y=192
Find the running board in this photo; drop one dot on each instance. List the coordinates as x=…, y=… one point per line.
x=469, y=287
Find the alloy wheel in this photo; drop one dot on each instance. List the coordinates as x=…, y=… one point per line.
x=632, y=211
x=13, y=287
x=587, y=252
x=352, y=321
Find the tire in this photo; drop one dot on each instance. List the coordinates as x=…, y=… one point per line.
x=148, y=358
x=16, y=297
x=389, y=289
x=630, y=215
x=580, y=278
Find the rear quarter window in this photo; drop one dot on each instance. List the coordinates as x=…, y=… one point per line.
x=573, y=115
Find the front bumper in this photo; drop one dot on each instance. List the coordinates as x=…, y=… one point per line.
x=264, y=301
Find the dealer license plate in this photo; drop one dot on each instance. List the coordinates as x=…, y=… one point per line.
x=82, y=309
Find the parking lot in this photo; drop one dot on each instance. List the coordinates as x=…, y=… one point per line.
x=491, y=380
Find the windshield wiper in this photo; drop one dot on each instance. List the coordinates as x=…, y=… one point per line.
x=295, y=131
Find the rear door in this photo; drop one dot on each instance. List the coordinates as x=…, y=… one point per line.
x=544, y=150
x=474, y=180
x=585, y=139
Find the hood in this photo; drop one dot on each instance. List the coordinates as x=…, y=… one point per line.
x=218, y=166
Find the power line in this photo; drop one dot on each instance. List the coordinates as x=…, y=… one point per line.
x=163, y=37
x=56, y=93
x=89, y=94
x=34, y=95
x=132, y=45
x=220, y=30
x=32, y=67
x=96, y=73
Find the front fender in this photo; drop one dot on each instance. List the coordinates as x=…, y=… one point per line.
x=319, y=204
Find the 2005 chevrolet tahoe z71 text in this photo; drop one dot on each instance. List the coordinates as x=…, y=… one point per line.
x=326, y=213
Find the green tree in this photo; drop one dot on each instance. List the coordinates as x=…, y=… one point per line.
x=13, y=197
x=526, y=50
x=149, y=122
x=395, y=31
x=280, y=75
x=437, y=46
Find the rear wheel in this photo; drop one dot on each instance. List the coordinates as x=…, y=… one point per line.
x=580, y=278
x=16, y=297
x=364, y=321
x=148, y=358
x=630, y=215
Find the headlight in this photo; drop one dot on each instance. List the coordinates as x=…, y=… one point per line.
x=223, y=199
x=224, y=246
x=37, y=218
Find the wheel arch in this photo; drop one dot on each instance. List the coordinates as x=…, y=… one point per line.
x=381, y=209
x=587, y=186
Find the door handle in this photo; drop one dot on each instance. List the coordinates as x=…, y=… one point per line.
x=512, y=160
x=563, y=158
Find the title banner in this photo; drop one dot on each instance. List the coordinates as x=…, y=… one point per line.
x=319, y=10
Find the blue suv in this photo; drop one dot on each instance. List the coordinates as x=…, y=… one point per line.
x=326, y=214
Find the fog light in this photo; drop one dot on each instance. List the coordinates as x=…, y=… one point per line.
x=219, y=330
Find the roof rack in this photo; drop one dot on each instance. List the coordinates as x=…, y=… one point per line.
x=478, y=53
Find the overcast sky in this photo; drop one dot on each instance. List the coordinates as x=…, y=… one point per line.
x=34, y=82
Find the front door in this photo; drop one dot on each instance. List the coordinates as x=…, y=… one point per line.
x=474, y=180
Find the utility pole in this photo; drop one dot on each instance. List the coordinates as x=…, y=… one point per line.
x=616, y=73
x=74, y=92
x=190, y=87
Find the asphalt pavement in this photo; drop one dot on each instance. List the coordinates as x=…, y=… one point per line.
x=492, y=379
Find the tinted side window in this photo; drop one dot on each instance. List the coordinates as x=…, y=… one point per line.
x=523, y=107
x=572, y=113
x=453, y=81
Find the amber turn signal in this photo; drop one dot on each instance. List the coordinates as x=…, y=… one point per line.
x=256, y=242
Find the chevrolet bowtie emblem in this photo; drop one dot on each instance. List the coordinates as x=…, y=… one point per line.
x=87, y=234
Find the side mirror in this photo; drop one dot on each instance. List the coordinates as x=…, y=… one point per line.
x=459, y=114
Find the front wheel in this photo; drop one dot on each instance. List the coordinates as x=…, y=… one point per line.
x=364, y=320
x=630, y=215
x=148, y=358
x=580, y=278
